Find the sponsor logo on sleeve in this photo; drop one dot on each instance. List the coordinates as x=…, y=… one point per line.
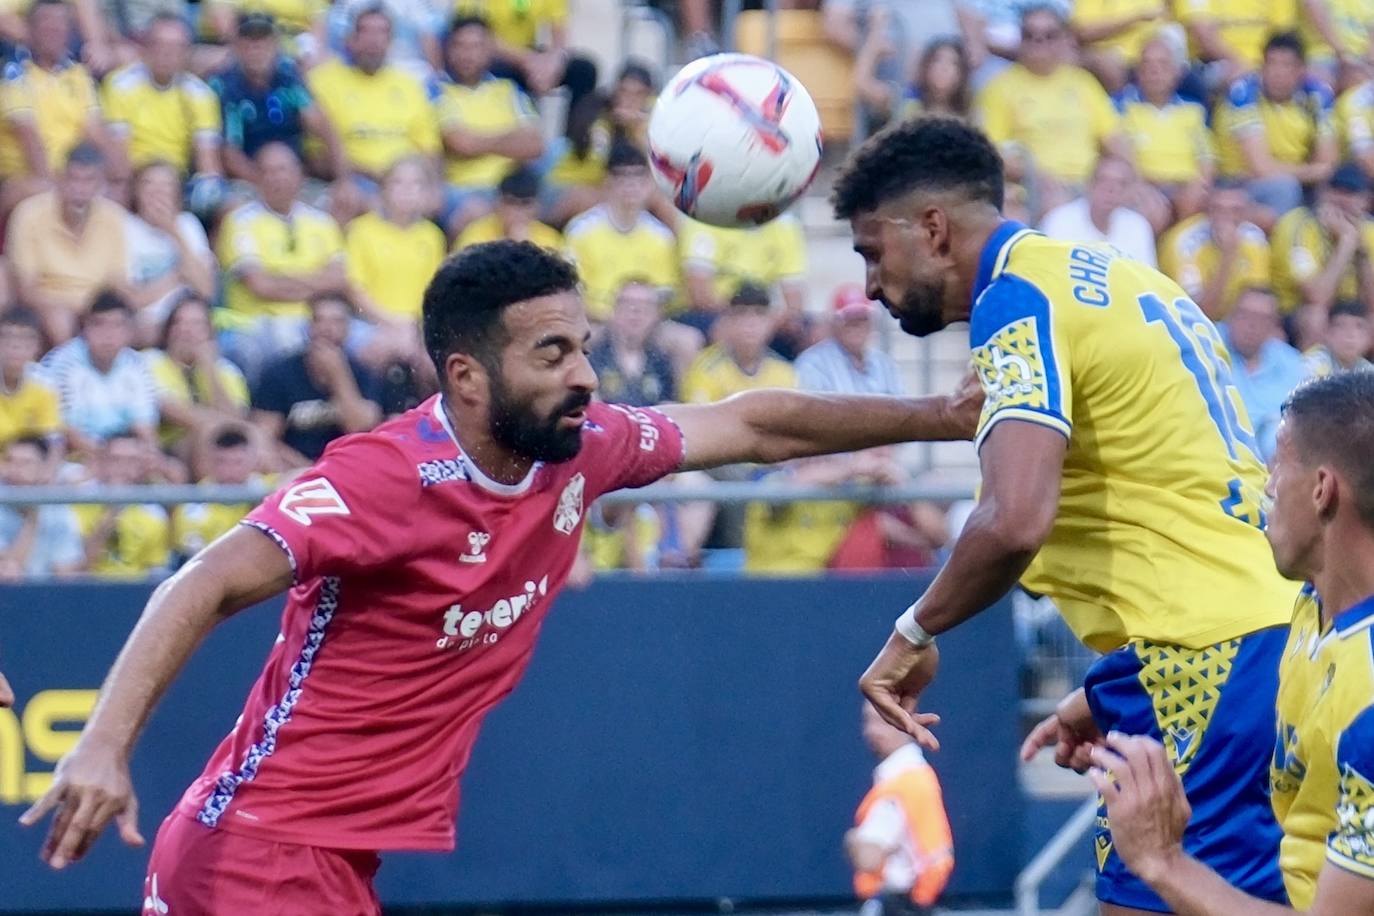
x=310, y=498
x=648, y=430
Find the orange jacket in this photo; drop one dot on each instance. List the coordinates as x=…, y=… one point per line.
x=917, y=790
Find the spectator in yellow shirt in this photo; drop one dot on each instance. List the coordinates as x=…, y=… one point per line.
x=1274, y=128
x=1169, y=134
x=156, y=109
x=517, y=204
x=232, y=460
x=717, y=261
x=28, y=406
x=594, y=126
x=124, y=542
x=197, y=388
x=1229, y=35
x=66, y=244
x=619, y=240
x=488, y=125
x=539, y=62
x=1050, y=119
x=379, y=111
x=1217, y=254
x=48, y=105
x=1112, y=33
x=391, y=256
x=1322, y=254
x=1337, y=35
x=276, y=253
x=1353, y=118
x=740, y=359
x=1348, y=342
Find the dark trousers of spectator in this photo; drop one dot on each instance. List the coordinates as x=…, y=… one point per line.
x=892, y=904
x=579, y=78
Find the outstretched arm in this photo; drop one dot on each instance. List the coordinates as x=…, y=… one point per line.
x=91, y=785
x=772, y=425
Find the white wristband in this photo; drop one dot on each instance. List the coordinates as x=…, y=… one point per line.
x=912, y=631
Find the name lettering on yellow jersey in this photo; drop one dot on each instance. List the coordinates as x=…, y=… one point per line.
x=1089, y=268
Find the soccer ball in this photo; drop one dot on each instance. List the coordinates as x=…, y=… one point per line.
x=734, y=140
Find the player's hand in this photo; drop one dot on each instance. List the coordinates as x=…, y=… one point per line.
x=6, y=693
x=1146, y=806
x=1070, y=729
x=894, y=681
x=90, y=786
x=965, y=406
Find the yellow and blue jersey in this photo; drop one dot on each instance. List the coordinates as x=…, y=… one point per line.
x=1291, y=129
x=160, y=122
x=492, y=106
x=1159, y=534
x=1172, y=142
x=1322, y=777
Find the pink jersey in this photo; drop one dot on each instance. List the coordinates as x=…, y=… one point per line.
x=421, y=586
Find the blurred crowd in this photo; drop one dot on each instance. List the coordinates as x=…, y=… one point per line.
x=219, y=220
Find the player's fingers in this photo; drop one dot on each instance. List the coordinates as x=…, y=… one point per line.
x=1043, y=735
x=1135, y=750
x=127, y=821
x=890, y=707
x=1114, y=766
x=39, y=809
x=74, y=832
x=1106, y=786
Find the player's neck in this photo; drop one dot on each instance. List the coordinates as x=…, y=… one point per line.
x=1347, y=574
x=970, y=240
x=494, y=460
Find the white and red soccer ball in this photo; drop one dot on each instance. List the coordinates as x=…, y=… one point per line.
x=734, y=140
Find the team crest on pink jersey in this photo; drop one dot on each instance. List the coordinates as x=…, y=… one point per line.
x=569, y=510
x=310, y=498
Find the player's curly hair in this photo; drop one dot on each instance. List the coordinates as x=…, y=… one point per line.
x=465, y=300
x=932, y=153
x=1332, y=421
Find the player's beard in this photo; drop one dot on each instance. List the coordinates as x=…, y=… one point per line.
x=920, y=313
x=517, y=426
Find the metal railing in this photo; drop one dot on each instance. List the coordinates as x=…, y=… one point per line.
x=1049, y=858
x=724, y=492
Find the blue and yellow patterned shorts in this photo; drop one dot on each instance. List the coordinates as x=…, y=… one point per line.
x=1213, y=710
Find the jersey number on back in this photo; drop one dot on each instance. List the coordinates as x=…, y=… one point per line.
x=1200, y=348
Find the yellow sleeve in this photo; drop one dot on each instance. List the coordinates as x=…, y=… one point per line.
x=142, y=539
x=203, y=105
x=1258, y=262
x=1022, y=358
x=1169, y=259
x=697, y=244
x=424, y=129
x=237, y=244
x=447, y=112
x=1105, y=120
x=114, y=102
x=791, y=248
x=355, y=253
x=993, y=112
x=333, y=237
x=48, y=419
x=14, y=95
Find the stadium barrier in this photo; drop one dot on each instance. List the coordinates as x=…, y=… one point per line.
x=676, y=739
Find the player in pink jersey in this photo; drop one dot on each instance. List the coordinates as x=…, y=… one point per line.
x=421, y=560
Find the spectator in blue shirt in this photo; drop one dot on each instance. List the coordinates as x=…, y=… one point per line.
x=35, y=541
x=264, y=100
x=1265, y=368
x=847, y=362
x=103, y=385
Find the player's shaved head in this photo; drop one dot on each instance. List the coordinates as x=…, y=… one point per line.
x=465, y=301
x=932, y=154
x=1331, y=422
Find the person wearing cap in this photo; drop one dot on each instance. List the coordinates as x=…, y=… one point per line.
x=848, y=362
x=264, y=100
x=517, y=204
x=1321, y=254
x=48, y=105
x=740, y=359
x=299, y=25
x=1274, y=128
x=487, y=123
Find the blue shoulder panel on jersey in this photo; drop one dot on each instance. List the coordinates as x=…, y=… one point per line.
x=992, y=251
x=1011, y=333
x=1244, y=91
